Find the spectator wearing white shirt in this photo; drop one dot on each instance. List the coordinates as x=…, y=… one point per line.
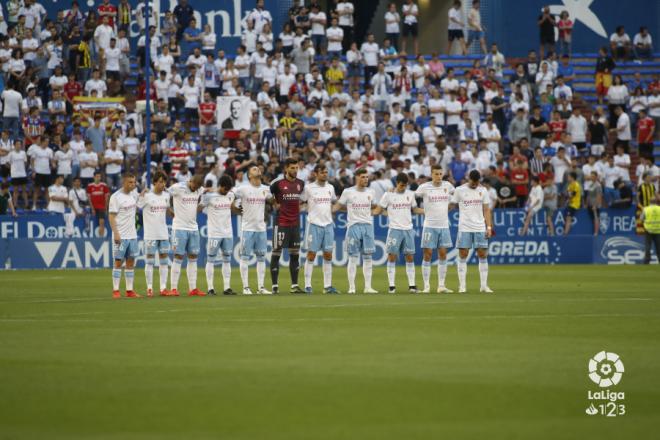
x=489, y=131
x=620, y=44
x=112, y=55
x=29, y=44
x=113, y=159
x=419, y=72
x=476, y=31
x=318, y=21
x=617, y=95
x=622, y=129
x=410, y=25
x=643, y=44
x=345, y=10
x=335, y=36
x=392, y=25
x=96, y=84
x=370, y=52
x=41, y=161
x=209, y=40
x=576, y=126
x=103, y=33
x=622, y=161
x=190, y=93
x=455, y=27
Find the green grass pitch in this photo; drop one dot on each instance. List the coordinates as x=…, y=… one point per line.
x=75, y=364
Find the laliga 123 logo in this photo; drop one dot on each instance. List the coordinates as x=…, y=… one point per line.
x=606, y=370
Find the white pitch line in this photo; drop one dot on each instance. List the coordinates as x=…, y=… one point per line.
x=447, y=301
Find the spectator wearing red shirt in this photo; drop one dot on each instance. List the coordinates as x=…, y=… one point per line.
x=517, y=156
x=206, y=112
x=565, y=26
x=72, y=89
x=520, y=182
x=99, y=194
x=645, y=132
x=178, y=156
x=109, y=10
x=557, y=126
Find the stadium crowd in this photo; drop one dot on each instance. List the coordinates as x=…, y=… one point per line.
x=319, y=96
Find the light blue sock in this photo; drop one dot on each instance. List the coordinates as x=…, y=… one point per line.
x=116, y=278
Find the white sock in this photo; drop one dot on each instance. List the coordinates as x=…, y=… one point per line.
x=149, y=275
x=210, y=268
x=442, y=272
x=410, y=271
x=426, y=274
x=174, y=275
x=129, y=275
x=261, y=273
x=162, y=271
x=309, y=268
x=327, y=273
x=243, y=266
x=351, y=270
x=226, y=274
x=116, y=278
x=191, y=273
x=69, y=218
x=483, y=271
x=461, y=268
x=391, y=273
x=367, y=269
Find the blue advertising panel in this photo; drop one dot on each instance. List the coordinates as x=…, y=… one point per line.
x=513, y=24
x=38, y=241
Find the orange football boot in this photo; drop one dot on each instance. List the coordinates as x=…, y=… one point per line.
x=132, y=294
x=196, y=292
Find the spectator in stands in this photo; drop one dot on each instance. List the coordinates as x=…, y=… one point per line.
x=622, y=129
x=344, y=13
x=546, y=23
x=519, y=128
x=646, y=190
x=645, y=132
x=625, y=199
x=617, y=96
x=6, y=203
x=476, y=31
x=392, y=25
x=620, y=44
x=98, y=194
x=653, y=101
x=565, y=26
x=574, y=191
x=183, y=13
x=604, y=66
x=593, y=198
x=455, y=26
x=643, y=44
x=410, y=13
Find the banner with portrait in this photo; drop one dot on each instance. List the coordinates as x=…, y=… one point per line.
x=233, y=113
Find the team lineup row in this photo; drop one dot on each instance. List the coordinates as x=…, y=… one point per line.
x=287, y=196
